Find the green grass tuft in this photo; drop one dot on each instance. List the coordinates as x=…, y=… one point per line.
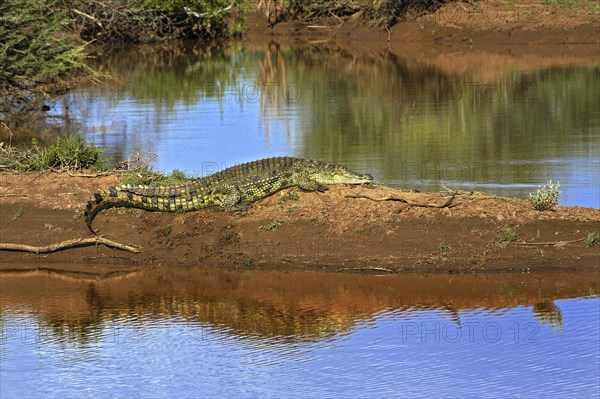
x=546, y=197
x=443, y=247
x=17, y=213
x=507, y=234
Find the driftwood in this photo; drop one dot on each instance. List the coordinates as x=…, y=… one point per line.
x=413, y=199
x=367, y=268
x=77, y=242
x=556, y=243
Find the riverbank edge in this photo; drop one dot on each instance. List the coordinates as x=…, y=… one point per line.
x=347, y=229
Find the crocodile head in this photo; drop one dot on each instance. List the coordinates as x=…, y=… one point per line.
x=334, y=174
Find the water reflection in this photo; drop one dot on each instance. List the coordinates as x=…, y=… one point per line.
x=293, y=305
x=196, y=332
x=498, y=123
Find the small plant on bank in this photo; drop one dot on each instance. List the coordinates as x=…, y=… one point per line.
x=507, y=234
x=592, y=239
x=443, y=247
x=271, y=226
x=290, y=195
x=546, y=197
x=17, y=213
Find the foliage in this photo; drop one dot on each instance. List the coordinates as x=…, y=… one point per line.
x=592, y=239
x=546, y=197
x=567, y=3
x=68, y=153
x=34, y=47
x=136, y=21
x=443, y=247
x=507, y=234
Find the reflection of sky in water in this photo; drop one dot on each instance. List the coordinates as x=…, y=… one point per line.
x=499, y=146
x=193, y=138
x=421, y=353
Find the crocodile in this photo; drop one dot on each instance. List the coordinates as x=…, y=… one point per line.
x=232, y=188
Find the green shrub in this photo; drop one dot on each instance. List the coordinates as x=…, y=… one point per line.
x=137, y=21
x=546, y=197
x=68, y=153
x=34, y=47
x=592, y=239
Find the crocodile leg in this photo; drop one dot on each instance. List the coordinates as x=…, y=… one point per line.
x=311, y=185
x=228, y=195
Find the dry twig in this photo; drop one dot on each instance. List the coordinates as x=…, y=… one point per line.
x=77, y=242
x=555, y=243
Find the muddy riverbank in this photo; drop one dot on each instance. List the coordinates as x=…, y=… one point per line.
x=339, y=230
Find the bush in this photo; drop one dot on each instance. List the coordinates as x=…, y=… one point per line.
x=546, y=197
x=34, y=47
x=68, y=153
x=138, y=21
x=592, y=239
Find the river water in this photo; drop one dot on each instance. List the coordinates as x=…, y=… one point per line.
x=199, y=333
x=499, y=123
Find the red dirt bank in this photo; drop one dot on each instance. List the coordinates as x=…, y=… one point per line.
x=316, y=231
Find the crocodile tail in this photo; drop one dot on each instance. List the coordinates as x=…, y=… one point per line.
x=100, y=202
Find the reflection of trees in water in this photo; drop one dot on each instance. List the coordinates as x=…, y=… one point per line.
x=272, y=85
x=239, y=318
x=395, y=110
x=548, y=313
x=380, y=106
x=275, y=307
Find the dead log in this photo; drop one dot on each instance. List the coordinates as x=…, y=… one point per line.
x=77, y=242
x=413, y=199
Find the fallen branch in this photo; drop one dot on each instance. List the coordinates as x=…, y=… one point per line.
x=76, y=11
x=413, y=199
x=367, y=268
x=77, y=242
x=556, y=243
